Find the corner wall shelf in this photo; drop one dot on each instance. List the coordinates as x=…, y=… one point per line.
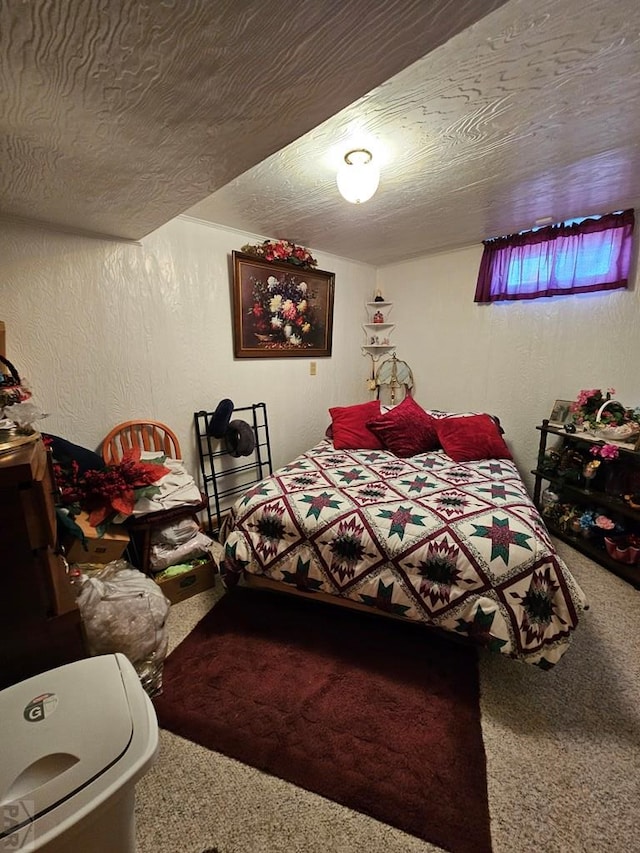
x=378, y=330
x=375, y=351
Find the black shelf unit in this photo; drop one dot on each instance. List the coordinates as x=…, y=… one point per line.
x=573, y=491
x=631, y=574
x=615, y=505
x=225, y=477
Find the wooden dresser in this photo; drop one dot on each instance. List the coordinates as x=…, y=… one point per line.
x=40, y=625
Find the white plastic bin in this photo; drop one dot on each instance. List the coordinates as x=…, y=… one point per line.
x=75, y=740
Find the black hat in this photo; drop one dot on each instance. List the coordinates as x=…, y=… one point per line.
x=240, y=439
x=220, y=420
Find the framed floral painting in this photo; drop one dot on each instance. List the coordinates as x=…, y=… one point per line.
x=280, y=309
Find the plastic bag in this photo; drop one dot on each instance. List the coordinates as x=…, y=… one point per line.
x=125, y=611
x=176, y=533
x=162, y=556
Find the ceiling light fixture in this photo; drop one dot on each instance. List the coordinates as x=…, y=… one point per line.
x=358, y=176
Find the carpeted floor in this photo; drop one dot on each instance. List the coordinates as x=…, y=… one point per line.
x=382, y=718
x=562, y=748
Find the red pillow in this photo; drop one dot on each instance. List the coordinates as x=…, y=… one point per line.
x=406, y=429
x=349, y=424
x=472, y=438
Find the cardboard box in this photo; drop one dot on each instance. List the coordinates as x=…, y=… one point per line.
x=97, y=549
x=189, y=583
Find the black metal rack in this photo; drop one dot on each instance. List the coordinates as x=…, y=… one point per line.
x=225, y=477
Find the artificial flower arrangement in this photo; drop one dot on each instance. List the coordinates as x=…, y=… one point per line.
x=281, y=312
x=110, y=492
x=602, y=453
x=605, y=451
x=593, y=521
x=282, y=250
x=598, y=412
x=588, y=403
x=583, y=521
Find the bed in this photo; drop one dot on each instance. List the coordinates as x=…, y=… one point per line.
x=430, y=536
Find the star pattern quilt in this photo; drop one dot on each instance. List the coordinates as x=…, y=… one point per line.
x=459, y=546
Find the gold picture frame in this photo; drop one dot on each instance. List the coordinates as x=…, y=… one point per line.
x=281, y=310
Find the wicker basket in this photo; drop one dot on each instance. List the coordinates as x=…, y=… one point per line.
x=625, y=432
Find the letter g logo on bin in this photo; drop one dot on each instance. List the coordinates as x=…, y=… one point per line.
x=40, y=707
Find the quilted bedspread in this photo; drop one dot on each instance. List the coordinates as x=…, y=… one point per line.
x=460, y=546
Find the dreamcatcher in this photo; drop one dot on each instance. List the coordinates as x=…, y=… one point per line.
x=394, y=375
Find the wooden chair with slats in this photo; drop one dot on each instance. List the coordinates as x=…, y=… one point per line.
x=147, y=435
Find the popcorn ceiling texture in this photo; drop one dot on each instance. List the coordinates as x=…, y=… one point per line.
x=116, y=119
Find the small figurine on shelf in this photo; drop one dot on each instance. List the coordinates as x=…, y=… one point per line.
x=633, y=500
x=589, y=472
x=549, y=500
x=378, y=297
x=378, y=317
x=571, y=464
x=550, y=461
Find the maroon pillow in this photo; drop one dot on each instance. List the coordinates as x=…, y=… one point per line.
x=406, y=429
x=349, y=425
x=471, y=438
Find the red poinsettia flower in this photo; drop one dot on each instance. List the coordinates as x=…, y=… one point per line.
x=114, y=489
x=143, y=472
x=98, y=517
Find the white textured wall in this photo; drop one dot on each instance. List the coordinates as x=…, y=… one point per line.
x=511, y=359
x=105, y=332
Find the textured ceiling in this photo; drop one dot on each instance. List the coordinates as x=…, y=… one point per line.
x=117, y=115
x=532, y=112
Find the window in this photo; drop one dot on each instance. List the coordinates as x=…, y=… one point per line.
x=578, y=257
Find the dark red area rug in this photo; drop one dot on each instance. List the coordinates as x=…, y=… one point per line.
x=375, y=714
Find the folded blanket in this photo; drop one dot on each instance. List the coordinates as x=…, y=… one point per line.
x=175, y=489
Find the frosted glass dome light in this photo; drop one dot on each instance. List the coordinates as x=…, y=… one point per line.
x=358, y=176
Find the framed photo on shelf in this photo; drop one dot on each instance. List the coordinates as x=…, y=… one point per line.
x=281, y=310
x=560, y=413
